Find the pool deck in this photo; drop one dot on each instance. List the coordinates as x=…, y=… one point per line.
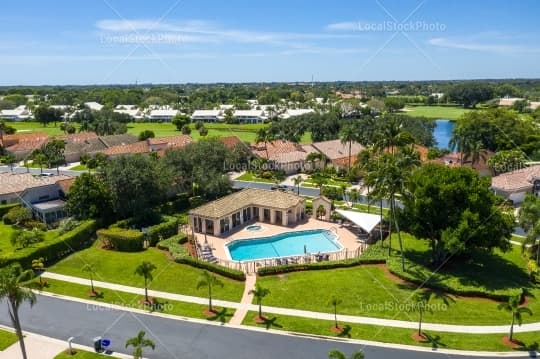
x=346, y=238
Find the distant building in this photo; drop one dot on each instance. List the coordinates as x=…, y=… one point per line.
x=157, y=144
x=209, y=116
x=249, y=116
x=296, y=112
x=21, y=145
x=131, y=110
x=94, y=106
x=509, y=101
x=162, y=115
x=19, y=113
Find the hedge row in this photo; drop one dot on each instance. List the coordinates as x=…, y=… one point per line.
x=346, y=263
x=123, y=240
x=6, y=207
x=181, y=255
x=55, y=249
x=165, y=229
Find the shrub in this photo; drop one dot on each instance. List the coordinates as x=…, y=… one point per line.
x=123, y=240
x=166, y=229
x=6, y=207
x=67, y=224
x=286, y=268
x=17, y=214
x=22, y=238
x=54, y=249
x=181, y=255
x=196, y=201
x=36, y=225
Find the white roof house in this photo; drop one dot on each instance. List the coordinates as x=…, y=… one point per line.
x=94, y=106
x=131, y=110
x=19, y=113
x=226, y=107
x=162, y=115
x=207, y=116
x=509, y=101
x=126, y=107
x=296, y=112
x=533, y=105
x=250, y=116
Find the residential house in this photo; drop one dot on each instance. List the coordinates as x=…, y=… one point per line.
x=94, y=106
x=296, y=112
x=162, y=114
x=284, y=155
x=230, y=141
x=509, y=101
x=19, y=113
x=249, y=116
x=458, y=159
x=230, y=212
x=158, y=144
x=533, y=105
x=516, y=184
x=337, y=153
x=21, y=145
x=210, y=116
x=131, y=110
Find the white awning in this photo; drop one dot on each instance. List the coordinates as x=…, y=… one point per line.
x=366, y=221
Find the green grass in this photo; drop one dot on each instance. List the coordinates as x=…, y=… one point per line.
x=6, y=249
x=7, y=339
x=130, y=300
x=436, y=112
x=79, y=168
x=246, y=132
x=250, y=176
x=81, y=354
x=465, y=341
x=119, y=267
x=370, y=291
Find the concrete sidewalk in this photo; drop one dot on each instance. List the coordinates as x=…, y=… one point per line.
x=42, y=347
x=472, y=329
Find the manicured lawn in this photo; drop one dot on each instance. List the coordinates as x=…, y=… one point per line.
x=465, y=341
x=436, y=112
x=374, y=209
x=119, y=267
x=79, y=168
x=81, y=354
x=6, y=249
x=370, y=291
x=130, y=300
x=26, y=127
x=250, y=176
x=7, y=339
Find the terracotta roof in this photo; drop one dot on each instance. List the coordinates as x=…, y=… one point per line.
x=334, y=149
x=34, y=137
x=115, y=140
x=423, y=151
x=65, y=184
x=230, y=141
x=78, y=137
x=516, y=181
x=171, y=141
x=247, y=197
x=344, y=161
x=275, y=148
x=137, y=147
x=18, y=182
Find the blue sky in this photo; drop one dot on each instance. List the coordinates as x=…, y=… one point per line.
x=170, y=41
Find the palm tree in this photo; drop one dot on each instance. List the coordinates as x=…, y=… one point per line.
x=297, y=181
x=336, y=354
x=319, y=181
x=209, y=280
x=512, y=306
x=259, y=293
x=461, y=142
x=145, y=270
x=313, y=157
x=422, y=299
x=16, y=286
x=529, y=220
x=475, y=152
x=139, y=343
x=264, y=135
x=39, y=157
x=91, y=270
x=348, y=135
x=392, y=136
x=334, y=302
x=38, y=267
x=354, y=195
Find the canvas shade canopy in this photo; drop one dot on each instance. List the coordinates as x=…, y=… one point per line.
x=366, y=221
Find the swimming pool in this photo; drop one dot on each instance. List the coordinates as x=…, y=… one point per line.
x=287, y=244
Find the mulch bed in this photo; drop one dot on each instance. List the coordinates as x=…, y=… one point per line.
x=512, y=344
x=419, y=338
x=337, y=329
x=93, y=293
x=259, y=319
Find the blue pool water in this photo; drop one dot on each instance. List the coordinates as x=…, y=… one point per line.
x=443, y=132
x=284, y=245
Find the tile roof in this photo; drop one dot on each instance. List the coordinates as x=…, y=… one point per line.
x=171, y=141
x=247, y=197
x=65, y=184
x=516, y=181
x=230, y=141
x=137, y=147
x=18, y=182
x=115, y=140
x=334, y=149
x=276, y=149
x=25, y=141
x=78, y=137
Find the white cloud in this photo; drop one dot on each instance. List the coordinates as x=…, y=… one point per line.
x=479, y=46
x=343, y=26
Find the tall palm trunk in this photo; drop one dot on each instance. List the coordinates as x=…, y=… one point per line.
x=210, y=298
x=393, y=206
x=350, y=149
x=14, y=315
x=420, y=322
x=380, y=225
x=145, y=289
x=510, y=337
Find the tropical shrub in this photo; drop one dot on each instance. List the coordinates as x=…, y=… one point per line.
x=123, y=240
x=17, y=214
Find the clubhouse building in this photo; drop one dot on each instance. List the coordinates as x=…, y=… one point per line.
x=228, y=213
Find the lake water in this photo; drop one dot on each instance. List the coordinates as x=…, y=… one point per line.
x=443, y=132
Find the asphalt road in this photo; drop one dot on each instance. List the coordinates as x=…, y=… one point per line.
x=61, y=319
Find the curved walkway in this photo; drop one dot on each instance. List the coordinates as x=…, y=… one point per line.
x=247, y=306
